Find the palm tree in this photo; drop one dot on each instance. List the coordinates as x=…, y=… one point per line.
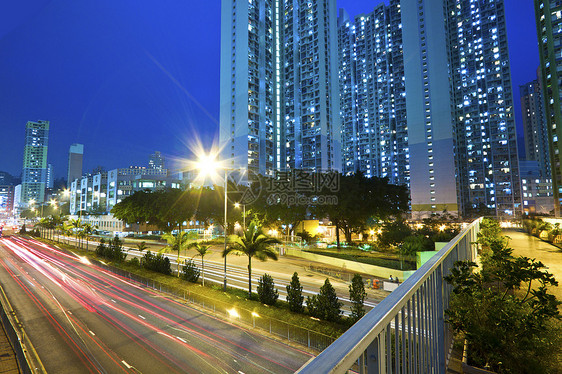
x=142, y=246
x=175, y=243
x=87, y=230
x=252, y=243
x=67, y=230
x=201, y=251
x=77, y=225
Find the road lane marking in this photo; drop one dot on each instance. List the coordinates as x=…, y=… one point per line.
x=126, y=364
x=92, y=333
x=141, y=317
x=181, y=339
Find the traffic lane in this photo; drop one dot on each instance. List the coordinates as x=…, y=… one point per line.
x=54, y=337
x=239, y=341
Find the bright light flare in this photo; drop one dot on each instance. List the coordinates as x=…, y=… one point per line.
x=233, y=313
x=85, y=260
x=442, y=228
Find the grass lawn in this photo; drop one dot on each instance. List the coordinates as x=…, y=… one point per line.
x=388, y=260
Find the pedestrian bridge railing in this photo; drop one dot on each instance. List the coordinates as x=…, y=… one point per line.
x=406, y=332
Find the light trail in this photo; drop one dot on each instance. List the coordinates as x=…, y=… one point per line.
x=103, y=294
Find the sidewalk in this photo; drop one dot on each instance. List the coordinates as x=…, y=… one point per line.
x=532, y=247
x=8, y=363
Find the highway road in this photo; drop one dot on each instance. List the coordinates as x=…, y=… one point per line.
x=237, y=275
x=81, y=318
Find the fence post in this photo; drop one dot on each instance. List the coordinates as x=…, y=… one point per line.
x=373, y=358
x=440, y=321
x=308, y=333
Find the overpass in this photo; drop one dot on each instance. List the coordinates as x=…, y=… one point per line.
x=406, y=332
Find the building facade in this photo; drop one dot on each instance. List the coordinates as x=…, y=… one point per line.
x=534, y=126
x=156, y=161
x=279, y=105
x=6, y=200
x=429, y=102
x=75, y=159
x=372, y=94
x=486, y=141
x=34, y=176
x=548, y=16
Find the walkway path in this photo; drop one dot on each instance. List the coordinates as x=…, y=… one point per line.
x=532, y=247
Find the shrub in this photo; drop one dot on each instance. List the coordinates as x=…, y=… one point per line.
x=134, y=262
x=113, y=251
x=190, y=272
x=294, y=295
x=357, y=296
x=508, y=324
x=266, y=290
x=326, y=304
x=158, y=263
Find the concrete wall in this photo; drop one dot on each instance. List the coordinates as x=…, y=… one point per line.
x=352, y=266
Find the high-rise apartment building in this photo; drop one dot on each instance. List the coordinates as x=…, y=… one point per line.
x=429, y=108
x=75, y=159
x=34, y=177
x=534, y=126
x=486, y=141
x=372, y=94
x=156, y=161
x=459, y=107
x=50, y=177
x=279, y=85
x=548, y=16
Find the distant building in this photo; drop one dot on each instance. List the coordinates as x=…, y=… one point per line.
x=537, y=191
x=6, y=200
x=75, y=159
x=34, y=178
x=50, y=177
x=6, y=179
x=548, y=17
x=372, y=94
x=125, y=181
x=98, y=193
x=534, y=126
x=156, y=161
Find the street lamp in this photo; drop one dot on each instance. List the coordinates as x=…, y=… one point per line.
x=237, y=205
x=208, y=166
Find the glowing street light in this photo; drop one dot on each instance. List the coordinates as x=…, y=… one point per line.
x=208, y=165
x=237, y=206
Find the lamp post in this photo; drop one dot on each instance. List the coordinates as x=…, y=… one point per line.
x=237, y=205
x=208, y=164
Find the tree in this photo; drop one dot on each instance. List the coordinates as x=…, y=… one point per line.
x=394, y=232
x=516, y=325
x=361, y=200
x=266, y=290
x=176, y=243
x=294, y=295
x=190, y=272
x=76, y=225
x=357, y=296
x=142, y=246
x=87, y=230
x=252, y=243
x=326, y=304
x=201, y=251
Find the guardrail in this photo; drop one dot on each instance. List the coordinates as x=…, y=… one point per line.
x=406, y=332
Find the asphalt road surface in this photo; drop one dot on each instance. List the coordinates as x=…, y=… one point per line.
x=81, y=319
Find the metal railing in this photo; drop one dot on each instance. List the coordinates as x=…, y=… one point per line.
x=406, y=332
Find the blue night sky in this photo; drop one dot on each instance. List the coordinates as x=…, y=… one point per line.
x=126, y=78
